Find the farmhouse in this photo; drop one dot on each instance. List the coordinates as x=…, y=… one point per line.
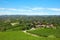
x=39, y=25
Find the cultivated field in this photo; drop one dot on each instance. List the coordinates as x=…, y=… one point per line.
x=46, y=32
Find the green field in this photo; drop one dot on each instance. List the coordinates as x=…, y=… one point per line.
x=15, y=35
x=18, y=35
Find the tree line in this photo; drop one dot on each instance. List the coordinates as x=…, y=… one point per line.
x=24, y=22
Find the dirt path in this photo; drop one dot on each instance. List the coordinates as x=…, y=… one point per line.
x=31, y=34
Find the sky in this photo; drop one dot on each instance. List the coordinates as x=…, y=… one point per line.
x=29, y=7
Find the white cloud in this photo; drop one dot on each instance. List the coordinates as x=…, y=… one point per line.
x=37, y=8
x=54, y=9
x=2, y=8
x=12, y=9
x=23, y=10
x=8, y=9
x=30, y=11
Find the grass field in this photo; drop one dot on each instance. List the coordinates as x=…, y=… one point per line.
x=15, y=35
x=18, y=35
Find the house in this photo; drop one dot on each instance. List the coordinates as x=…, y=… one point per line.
x=39, y=26
x=13, y=24
x=45, y=26
x=49, y=25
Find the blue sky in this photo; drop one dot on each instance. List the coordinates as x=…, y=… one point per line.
x=29, y=7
